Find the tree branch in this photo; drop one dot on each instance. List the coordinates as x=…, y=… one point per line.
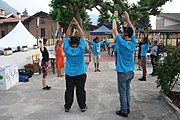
x=105, y=6
x=122, y=5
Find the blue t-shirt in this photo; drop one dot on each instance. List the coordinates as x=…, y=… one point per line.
x=75, y=64
x=96, y=49
x=125, y=53
x=144, y=48
x=106, y=42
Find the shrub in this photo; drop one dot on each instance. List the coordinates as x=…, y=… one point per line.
x=169, y=70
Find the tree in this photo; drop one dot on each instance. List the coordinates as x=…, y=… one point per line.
x=139, y=12
x=25, y=13
x=64, y=10
x=104, y=18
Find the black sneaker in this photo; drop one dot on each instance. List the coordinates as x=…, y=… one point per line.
x=95, y=70
x=99, y=70
x=154, y=74
x=46, y=88
x=83, y=110
x=128, y=110
x=151, y=73
x=66, y=110
x=118, y=112
x=142, y=79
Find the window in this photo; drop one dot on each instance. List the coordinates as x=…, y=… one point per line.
x=42, y=20
x=42, y=32
x=2, y=34
x=1, y=26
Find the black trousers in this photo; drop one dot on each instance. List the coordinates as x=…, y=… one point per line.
x=78, y=82
x=154, y=59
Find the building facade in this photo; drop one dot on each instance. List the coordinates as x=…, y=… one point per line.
x=39, y=25
x=168, y=21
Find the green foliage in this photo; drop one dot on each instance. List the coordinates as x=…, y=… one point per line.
x=64, y=10
x=104, y=18
x=169, y=70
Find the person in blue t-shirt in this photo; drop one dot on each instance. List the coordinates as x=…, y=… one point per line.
x=144, y=48
x=125, y=62
x=96, y=50
x=75, y=68
x=106, y=42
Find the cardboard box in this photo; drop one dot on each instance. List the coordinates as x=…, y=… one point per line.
x=5, y=78
x=9, y=76
x=14, y=74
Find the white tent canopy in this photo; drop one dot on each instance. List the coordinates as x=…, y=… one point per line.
x=19, y=36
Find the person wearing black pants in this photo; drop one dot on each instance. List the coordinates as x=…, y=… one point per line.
x=75, y=68
x=79, y=83
x=154, y=57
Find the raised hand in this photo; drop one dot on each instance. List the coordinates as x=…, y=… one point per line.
x=126, y=15
x=116, y=13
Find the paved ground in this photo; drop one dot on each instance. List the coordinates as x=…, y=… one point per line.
x=27, y=101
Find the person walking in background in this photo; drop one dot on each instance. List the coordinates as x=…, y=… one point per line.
x=154, y=57
x=44, y=62
x=96, y=50
x=106, y=42
x=75, y=68
x=144, y=48
x=125, y=63
x=103, y=45
x=59, y=57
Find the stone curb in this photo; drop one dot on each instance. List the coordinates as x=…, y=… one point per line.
x=169, y=102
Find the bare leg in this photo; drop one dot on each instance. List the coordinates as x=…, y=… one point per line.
x=44, y=82
x=58, y=71
x=144, y=72
x=139, y=66
x=98, y=67
x=95, y=66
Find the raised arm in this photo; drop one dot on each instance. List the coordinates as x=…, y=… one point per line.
x=114, y=25
x=69, y=30
x=41, y=44
x=77, y=26
x=113, y=36
x=126, y=15
x=138, y=37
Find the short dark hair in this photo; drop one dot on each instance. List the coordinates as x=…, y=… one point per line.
x=74, y=40
x=128, y=31
x=95, y=39
x=44, y=40
x=155, y=41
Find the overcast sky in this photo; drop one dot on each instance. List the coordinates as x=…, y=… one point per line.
x=34, y=6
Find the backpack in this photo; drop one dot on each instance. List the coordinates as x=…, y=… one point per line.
x=25, y=72
x=23, y=79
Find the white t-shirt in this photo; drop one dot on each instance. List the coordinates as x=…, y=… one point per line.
x=154, y=50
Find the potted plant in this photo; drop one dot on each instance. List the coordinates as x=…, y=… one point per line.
x=35, y=46
x=7, y=51
x=168, y=73
x=24, y=48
